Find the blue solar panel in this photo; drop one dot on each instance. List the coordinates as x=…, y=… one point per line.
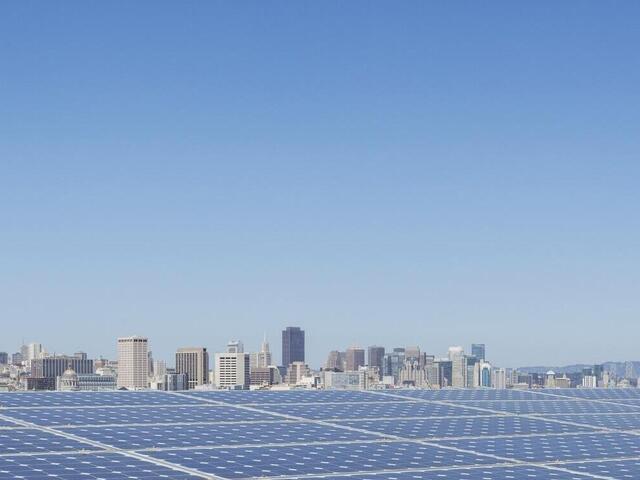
x=595, y=393
x=549, y=407
x=243, y=397
x=463, y=426
x=316, y=459
x=24, y=440
x=155, y=436
x=618, y=469
x=126, y=415
x=617, y=421
x=398, y=434
x=470, y=395
x=554, y=448
x=93, y=399
x=476, y=473
x=370, y=410
x=76, y=467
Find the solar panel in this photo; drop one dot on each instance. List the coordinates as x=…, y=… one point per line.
x=79, y=466
x=158, y=436
x=370, y=410
x=393, y=435
x=464, y=426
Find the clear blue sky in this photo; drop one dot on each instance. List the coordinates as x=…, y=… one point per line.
x=429, y=173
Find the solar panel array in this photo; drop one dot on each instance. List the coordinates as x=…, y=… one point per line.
x=576, y=434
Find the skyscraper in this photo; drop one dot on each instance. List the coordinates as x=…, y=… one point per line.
x=195, y=363
x=335, y=361
x=376, y=358
x=458, y=367
x=292, y=345
x=232, y=370
x=393, y=363
x=133, y=362
x=262, y=359
x=478, y=351
x=354, y=358
x=4, y=358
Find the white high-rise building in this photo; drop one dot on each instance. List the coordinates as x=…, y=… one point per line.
x=133, y=362
x=232, y=369
x=458, y=367
x=262, y=359
x=499, y=378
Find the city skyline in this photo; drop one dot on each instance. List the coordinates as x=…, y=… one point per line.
x=441, y=352
x=449, y=173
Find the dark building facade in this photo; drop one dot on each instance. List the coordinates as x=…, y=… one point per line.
x=376, y=358
x=478, y=351
x=4, y=358
x=292, y=346
x=52, y=367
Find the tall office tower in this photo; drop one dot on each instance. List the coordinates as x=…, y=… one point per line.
x=335, y=361
x=473, y=372
x=458, y=367
x=150, y=362
x=32, y=351
x=262, y=359
x=376, y=358
x=4, y=358
x=499, y=378
x=232, y=370
x=194, y=361
x=431, y=371
x=16, y=358
x=133, y=362
x=354, y=359
x=478, y=351
x=393, y=363
x=81, y=355
x=292, y=345
x=486, y=373
x=235, y=346
x=159, y=368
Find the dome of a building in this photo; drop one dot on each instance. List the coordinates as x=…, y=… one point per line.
x=69, y=374
x=69, y=379
x=551, y=372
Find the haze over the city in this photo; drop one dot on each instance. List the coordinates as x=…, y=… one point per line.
x=431, y=174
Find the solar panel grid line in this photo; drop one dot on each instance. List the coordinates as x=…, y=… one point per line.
x=169, y=424
x=440, y=445
x=270, y=445
x=501, y=412
x=107, y=448
x=443, y=417
x=489, y=436
x=394, y=437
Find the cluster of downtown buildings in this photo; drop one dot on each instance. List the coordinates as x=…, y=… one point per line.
x=355, y=368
